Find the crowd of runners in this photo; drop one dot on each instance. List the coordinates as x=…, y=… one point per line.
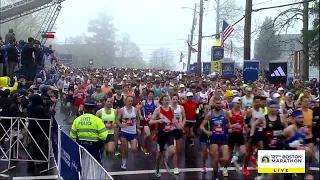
x=232, y=119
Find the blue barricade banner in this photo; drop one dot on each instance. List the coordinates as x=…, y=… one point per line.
x=228, y=70
x=70, y=158
x=250, y=70
x=55, y=139
x=206, y=68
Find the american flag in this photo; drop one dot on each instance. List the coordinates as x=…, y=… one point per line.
x=193, y=50
x=227, y=29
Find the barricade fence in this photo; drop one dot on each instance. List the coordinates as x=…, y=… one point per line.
x=25, y=140
x=35, y=141
x=72, y=160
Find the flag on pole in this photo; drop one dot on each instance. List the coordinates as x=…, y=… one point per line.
x=227, y=30
x=193, y=50
x=181, y=57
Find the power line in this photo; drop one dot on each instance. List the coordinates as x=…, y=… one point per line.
x=265, y=8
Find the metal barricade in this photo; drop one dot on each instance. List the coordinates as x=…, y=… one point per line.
x=25, y=134
x=91, y=168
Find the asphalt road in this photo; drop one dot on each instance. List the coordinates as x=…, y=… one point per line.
x=140, y=166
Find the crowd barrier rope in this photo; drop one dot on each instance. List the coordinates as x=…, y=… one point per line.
x=72, y=160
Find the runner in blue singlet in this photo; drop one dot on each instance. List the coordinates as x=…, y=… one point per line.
x=217, y=136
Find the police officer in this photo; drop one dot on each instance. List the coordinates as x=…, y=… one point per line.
x=89, y=131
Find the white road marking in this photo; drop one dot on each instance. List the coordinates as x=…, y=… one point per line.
x=36, y=177
x=121, y=173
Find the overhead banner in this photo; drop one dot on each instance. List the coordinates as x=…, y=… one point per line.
x=278, y=72
x=217, y=55
x=250, y=70
x=206, y=68
x=193, y=68
x=228, y=70
x=70, y=158
x=18, y=7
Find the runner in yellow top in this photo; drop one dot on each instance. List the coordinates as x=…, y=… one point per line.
x=308, y=123
x=108, y=116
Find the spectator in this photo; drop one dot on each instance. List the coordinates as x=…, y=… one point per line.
x=36, y=110
x=16, y=107
x=27, y=61
x=5, y=103
x=10, y=36
x=2, y=58
x=13, y=58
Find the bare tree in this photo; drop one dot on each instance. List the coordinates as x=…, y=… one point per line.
x=129, y=54
x=162, y=58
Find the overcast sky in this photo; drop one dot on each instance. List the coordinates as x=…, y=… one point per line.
x=158, y=23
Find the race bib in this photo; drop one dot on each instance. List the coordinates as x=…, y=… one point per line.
x=167, y=128
x=237, y=127
x=108, y=124
x=99, y=103
x=277, y=133
x=218, y=130
x=272, y=142
x=130, y=122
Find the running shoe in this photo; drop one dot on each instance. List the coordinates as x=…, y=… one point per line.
x=259, y=177
x=245, y=171
x=225, y=172
x=176, y=171
x=123, y=166
x=158, y=173
x=168, y=167
x=204, y=170
x=254, y=162
x=145, y=151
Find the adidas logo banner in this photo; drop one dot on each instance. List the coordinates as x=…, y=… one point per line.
x=278, y=72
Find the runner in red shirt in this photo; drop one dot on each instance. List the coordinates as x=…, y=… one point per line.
x=79, y=96
x=191, y=108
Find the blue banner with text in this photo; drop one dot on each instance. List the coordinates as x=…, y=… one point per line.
x=228, y=70
x=193, y=68
x=250, y=70
x=70, y=158
x=206, y=68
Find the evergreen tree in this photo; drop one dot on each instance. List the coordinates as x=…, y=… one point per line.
x=267, y=44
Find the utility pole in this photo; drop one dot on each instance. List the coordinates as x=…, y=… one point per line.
x=190, y=38
x=247, y=30
x=305, y=45
x=200, y=39
x=218, y=20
